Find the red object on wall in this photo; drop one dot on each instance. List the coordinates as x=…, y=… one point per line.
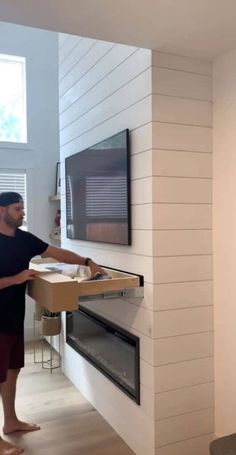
x=58, y=218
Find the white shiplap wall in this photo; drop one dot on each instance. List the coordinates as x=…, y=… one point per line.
x=182, y=255
x=104, y=88
x=166, y=103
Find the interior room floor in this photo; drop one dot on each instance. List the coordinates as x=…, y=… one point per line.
x=69, y=424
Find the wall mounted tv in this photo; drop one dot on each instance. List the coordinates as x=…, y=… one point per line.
x=98, y=192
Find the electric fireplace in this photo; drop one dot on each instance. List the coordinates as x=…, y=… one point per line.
x=108, y=347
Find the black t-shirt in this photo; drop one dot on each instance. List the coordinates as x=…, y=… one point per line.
x=15, y=255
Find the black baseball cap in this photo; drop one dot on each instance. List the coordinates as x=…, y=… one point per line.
x=9, y=197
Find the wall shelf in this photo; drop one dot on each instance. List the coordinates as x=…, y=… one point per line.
x=55, y=237
x=55, y=198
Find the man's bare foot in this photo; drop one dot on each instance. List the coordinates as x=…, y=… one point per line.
x=17, y=425
x=8, y=449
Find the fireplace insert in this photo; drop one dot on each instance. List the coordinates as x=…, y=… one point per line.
x=108, y=347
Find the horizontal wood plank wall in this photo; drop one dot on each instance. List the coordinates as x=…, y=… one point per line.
x=182, y=251
x=104, y=88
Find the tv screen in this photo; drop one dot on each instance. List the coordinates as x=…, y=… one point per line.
x=98, y=192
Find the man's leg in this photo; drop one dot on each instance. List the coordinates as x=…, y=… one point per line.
x=11, y=421
x=5, y=447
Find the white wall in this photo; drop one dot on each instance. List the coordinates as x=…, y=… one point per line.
x=40, y=155
x=165, y=101
x=182, y=254
x=104, y=88
x=224, y=241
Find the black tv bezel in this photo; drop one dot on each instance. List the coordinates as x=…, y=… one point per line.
x=128, y=180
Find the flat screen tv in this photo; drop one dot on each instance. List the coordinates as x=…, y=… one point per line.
x=98, y=192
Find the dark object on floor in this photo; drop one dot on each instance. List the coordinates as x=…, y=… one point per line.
x=224, y=446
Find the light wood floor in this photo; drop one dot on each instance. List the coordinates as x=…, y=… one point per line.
x=69, y=424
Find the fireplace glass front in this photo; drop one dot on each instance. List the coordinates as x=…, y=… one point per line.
x=110, y=348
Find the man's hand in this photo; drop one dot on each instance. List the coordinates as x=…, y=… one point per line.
x=95, y=268
x=26, y=275
x=21, y=277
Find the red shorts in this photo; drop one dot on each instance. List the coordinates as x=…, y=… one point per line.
x=11, y=354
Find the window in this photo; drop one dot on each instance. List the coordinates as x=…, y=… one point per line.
x=15, y=181
x=12, y=99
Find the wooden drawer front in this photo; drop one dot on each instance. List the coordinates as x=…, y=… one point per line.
x=55, y=296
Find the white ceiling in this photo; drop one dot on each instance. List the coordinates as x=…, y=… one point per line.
x=199, y=28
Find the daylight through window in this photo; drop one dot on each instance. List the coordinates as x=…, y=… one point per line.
x=12, y=99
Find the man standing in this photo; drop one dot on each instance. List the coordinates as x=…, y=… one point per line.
x=17, y=247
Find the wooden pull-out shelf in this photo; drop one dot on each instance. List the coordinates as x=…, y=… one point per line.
x=58, y=292
x=118, y=281
x=55, y=292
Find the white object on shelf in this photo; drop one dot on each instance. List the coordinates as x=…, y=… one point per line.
x=56, y=237
x=55, y=198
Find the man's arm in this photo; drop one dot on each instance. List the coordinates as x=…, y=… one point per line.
x=21, y=277
x=69, y=257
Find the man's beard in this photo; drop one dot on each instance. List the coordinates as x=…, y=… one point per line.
x=13, y=224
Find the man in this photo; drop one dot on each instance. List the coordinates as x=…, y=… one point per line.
x=17, y=247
